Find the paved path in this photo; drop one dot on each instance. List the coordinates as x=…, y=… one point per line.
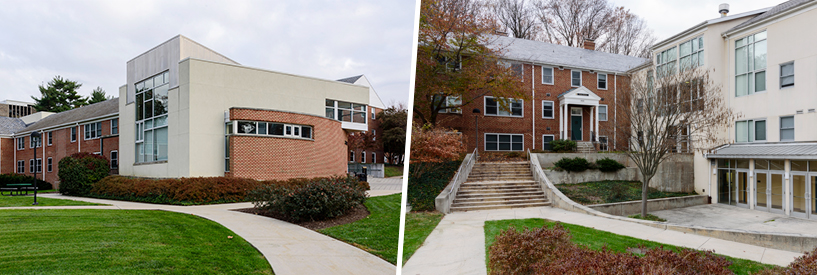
x=385, y=186
x=457, y=244
x=733, y=217
x=289, y=248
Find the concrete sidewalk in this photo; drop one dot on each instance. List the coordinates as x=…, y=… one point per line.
x=385, y=186
x=732, y=217
x=289, y=248
x=457, y=244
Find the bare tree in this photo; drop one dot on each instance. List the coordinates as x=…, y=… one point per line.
x=569, y=22
x=674, y=112
x=518, y=16
x=626, y=34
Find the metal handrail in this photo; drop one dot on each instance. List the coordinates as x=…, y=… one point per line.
x=459, y=178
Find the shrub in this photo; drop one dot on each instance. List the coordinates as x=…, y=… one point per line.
x=78, y=173
x=19, y=178
x=563, y=145
x=576, y=164
x=309, y=199
x=183, y=191
x=609, y=165
x=424, y=188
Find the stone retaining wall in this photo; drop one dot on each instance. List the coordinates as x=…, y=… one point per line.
x=634, y=207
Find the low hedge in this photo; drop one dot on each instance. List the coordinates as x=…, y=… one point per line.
x=424, y=189
x=80, y=171
x=18, y=178
x=563, y=145
x=310, y=199
x=609, y=165
x=183, y=191
x=577, y=164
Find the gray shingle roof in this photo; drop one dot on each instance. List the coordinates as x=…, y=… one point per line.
x=565, y=92
x=350, y=80
x=772, y=12
x=10, y=125
x=558, y=55
x=80, y=114
x=768, y=151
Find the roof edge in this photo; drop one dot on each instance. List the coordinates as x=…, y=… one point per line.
x=705, y=24
x=732, y=31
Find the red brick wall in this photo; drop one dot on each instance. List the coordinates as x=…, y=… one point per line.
x=62, y=146
x=279, y=158
x=514, y=125
x=7, y=156
x=373, y=125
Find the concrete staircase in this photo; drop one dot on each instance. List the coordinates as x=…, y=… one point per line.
x=585, y=147
x=494, y=185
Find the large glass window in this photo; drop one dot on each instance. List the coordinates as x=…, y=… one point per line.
x=492, y=107
x=750, y=130
x=692, y=53
x=750, y=64
x=151, y=118
x=787, y=128
x=665, y=62
x=345, y=111
x=504, y=142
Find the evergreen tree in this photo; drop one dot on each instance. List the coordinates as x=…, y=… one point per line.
x=59, y=95
x=98, y=95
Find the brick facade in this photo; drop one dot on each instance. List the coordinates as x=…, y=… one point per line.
x=61, y=146
x=374, y=125
x=532, y=110
x=279, y=158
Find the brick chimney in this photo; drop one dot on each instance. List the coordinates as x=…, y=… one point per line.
x=589, y=44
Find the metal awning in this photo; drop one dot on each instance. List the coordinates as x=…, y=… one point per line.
x=797, y=151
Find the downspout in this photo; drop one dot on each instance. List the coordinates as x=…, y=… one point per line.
x=533, y=107
x=42, y=144
x=615, y=109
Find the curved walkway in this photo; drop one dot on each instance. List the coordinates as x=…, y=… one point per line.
x=289, y=248
x=457, y=244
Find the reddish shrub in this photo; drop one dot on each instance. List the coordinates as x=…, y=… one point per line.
x=175, y=191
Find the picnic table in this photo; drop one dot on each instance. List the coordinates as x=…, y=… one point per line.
x=21, y=189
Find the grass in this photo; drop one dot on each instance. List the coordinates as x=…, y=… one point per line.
x=598, y=192
x=650, y=217
x=418, y=226
x=596, y=239
x=93, y=241
x=23, y=201
x=378, y=233
x=393, y=171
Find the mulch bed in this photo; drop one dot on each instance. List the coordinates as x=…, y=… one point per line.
x=357, y=213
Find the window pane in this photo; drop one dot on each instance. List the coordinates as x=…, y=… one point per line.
x=148, y=145
x=516, y=138
x=799, y=165
x=741, y=85
x=359, y=117
x=344, y=105
x=330, y=113
x=490, y=146
x=787, y=122
x=760, y=130
x=276, y=129
x=330, y=103
x=741, y=132
x=504, y=146
x=306, y=132
x=740, y=61
x=603, y=113
x=517, y=147
x=160, y=103
x=246, y=127
x=139, y=107
x=787, y=69
x=149, y=109
x=760, y=55
x=547, y=75
x=576, y=78
x=787, y=81
x=262, y=128
x=345, y=115
x=161, y=143
x=760, y=36
x=490, y=138
x=787, y=134
x=504, y=138
x=760, y=81
x=160, y=121
x=490, y=106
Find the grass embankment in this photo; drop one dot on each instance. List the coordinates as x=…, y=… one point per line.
x=25, y=201
x=393, y=171
x=596, y=239
x=588, y=193
x=418, y=226
x=378, y=233
x=92, y=241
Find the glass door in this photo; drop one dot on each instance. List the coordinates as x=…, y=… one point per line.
x=776, y=193
x=812, y=200
x=726, y=187
x=799, y=197
x=762, y=191
x=742, y=188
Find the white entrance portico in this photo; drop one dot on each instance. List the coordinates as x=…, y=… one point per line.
x=570, y=120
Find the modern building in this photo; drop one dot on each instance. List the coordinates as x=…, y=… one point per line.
x=766, y=68
x=373, y=155
x=573, y=95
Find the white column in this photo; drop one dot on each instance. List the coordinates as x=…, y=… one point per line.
x=592, y=112
x=596, y=108
x=561, y=120
x=564, y=122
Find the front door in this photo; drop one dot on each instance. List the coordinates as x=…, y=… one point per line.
x=576, y=123
x=799, y=196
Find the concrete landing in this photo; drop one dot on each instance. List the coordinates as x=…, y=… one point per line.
x=733, y=217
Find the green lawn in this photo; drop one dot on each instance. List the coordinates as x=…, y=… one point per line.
x=378, y=233
x=596, y=239
x=418, y=226
x=608, y=191
x=14, y=201
x=393, y=171
x=92, y=241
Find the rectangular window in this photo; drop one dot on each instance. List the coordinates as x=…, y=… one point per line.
x=546, y=139
x=346, y=111
x=373, y=118
x=351, y=156
x=374, y=157
x=451, y=101
x=227, y=153
x=21, y=143
x=603, y=146
x=50, y=138
x=271, y=129
x=787, y=128
x=49, y=164
x=575, y=78
x=547, y=109
x=35, y=142
x=750, y=64
x=115, y=160
x=363, y=157
x=93, y=130
x=504, y=142
x=547, y=75
x=760, y=130
x=602, y=79
x=39, y=165
x=691, y=53
x=665, y=62
x=21, y=166
x=787, y=75
x=73, y=134
x=492, y=107
x=31, y=165
x=115, y=126
x=151, y=118
x=602, y=112
x=518, y=70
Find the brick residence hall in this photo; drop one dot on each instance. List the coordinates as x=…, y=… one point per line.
x=581, y=82
x=188, y=111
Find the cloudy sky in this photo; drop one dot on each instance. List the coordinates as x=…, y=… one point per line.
x=669, y=17
x=91, y=41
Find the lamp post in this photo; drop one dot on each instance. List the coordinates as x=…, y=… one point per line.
x=35, y=135
x=476, y=131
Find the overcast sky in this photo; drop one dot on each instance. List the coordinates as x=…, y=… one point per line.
x=667, y=18
x=91, y=41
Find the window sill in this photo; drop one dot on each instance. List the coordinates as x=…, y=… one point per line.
x=270, y=136
x=149, y=162
x=505, y=116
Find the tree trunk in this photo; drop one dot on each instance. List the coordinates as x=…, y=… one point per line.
x=645, y=184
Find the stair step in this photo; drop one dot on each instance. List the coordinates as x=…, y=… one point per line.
x=503, y=202
x=498, y=206
x=503, y=198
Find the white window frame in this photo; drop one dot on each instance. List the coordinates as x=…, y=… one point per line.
x=781, y=128
x=552, y=75
x=21, y=143
x=94, y=133
x=74, y=133
x=49, y=163
x=606, y=112
x=115, y=129
x=751, y=73
x=697, y=53
x=50, y=138
x=38, y=144
x=352, y=154
x=115, y=159
x=452, y=101
x=780, y=78
x=598, y=81
x=606, y=144
x=21, y=166
x=571, y=78
x=543, y=140
x=373, y=117
x=751, y=129
x=485, y=142
x=552, y=109
x=374, y=157
x=666, y=62
x=363, y=157
x=499, y=107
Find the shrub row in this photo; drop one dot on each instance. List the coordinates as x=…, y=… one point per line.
x=310, y=199
x=563, y=145
x=184, y=191
x=579, y=164
x=79, y=172
x=424, y=188
x=18, y=178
